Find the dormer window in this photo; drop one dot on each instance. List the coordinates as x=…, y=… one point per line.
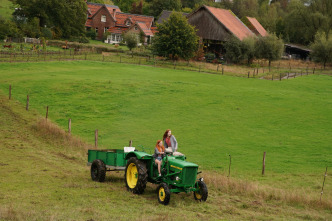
x=128, y=23
x=103, y=18
x=136, y=28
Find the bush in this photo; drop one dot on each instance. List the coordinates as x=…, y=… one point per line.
x=46, y=33
x=91, y=34
x=322, y=48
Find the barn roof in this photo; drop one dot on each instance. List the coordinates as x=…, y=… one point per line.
x=165, y=15
x=231, y=22
x=256, y=27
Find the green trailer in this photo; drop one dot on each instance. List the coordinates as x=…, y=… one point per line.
x=177, y=175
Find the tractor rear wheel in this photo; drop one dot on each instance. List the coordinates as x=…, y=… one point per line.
x=136, y=175
x=98, y=171
x=202, y=193
x=164, y=194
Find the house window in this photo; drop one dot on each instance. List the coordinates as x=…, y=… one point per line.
x=105, y=29
x=136, y=28
x=97, y=30
x=128, y=23
x=103, y=18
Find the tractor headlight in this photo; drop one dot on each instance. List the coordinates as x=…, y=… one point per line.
x=201, y=179
x=177, y=178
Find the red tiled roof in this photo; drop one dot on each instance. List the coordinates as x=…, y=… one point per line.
x=154, y=30
x=257, y=26
x=231, y=22
x=88, y=23
x=117, y=30
x=122, y=17
x=94, y=7
x=144, y=29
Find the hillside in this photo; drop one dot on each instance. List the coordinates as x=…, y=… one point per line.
x=44, y=172
x=44, y=177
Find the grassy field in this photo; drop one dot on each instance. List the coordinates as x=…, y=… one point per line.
x=212, y=117
x=44, y=177
x=6, y=9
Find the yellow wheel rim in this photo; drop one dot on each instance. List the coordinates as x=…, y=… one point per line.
x=198, y=194
x=162, y=194
x=132, y=175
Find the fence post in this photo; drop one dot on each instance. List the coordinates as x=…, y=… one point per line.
x=46, y=112
x=199, y=68
x=96, y=138
x=217, y=67
x=103, y=58
x=10, y=91
x=321, y=193
x=287, y=75
x=272, y=76
x=69, y=126
x=248, y=73
x=174, y=64
x=130, y=143
x=27, y=106
x=85, y=56
x=120, y=58
x=313, y=71
x=280, y=77
x=263, y=170
x=222, y=71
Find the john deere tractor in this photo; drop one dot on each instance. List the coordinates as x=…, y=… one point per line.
x=177, y=175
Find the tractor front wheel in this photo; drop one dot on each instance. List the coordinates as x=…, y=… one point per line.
x=98, y=171
x=202, y=193
x=136, y=175
x=164, y=194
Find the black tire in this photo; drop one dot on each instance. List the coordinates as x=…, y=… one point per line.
x=136, y=175
x=202, y=193
x=98, y=171
x=164, y=194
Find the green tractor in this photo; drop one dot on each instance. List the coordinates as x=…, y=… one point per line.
x=177, y=175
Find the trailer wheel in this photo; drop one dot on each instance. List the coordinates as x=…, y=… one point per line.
x=98, y=171
x=202, y=193
x=136, y=175
x=164, y=194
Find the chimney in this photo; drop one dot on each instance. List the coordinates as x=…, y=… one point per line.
x=114, y=12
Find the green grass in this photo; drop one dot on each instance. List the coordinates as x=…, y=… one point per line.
x=44, y=178
x=212, y=116
x=6, y=9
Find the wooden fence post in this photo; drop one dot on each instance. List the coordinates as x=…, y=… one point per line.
x=96, y=138
x=280, y=77
x=69, y=126
x=46, y=112
x=10, y=91
x=222, y=71
x=321, y=193
x=85, y=56
x=199, y=68
x=120, y=58
x=313, y=71
x=263, y=170
x=248, y=73
x=272, y=76
x=27, y=106
x=130, y=143
x=103, y=58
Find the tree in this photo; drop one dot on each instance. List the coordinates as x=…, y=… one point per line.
x=131, y=40
x=175, y=38
x=269, y=47
x=157, y=6
x=237, y=51
x=67, y=18
x=322, y=48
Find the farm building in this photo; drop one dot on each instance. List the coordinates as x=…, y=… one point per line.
x=215, y=26
x=108, y=18
x=255, y=27
x=164, y=15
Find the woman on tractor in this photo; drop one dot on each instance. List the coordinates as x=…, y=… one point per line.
x=159, y=153
x=170, y=141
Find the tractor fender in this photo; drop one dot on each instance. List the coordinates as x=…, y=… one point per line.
x=139, y=155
